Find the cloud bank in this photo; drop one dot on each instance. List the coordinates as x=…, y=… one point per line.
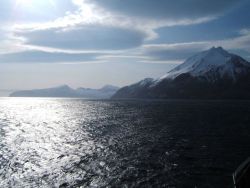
x=71, y=30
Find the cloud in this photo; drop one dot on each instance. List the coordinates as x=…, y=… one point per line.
x=173, y=51
x=116, y=25
x=87, y=37
x=241, y=42
x=179, y=51
x=149, y=53
x=167, y=9
x=47, y=57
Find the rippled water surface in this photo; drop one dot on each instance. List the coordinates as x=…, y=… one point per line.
x=80, y=143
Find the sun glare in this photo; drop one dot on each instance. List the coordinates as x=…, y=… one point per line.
x=33, y=3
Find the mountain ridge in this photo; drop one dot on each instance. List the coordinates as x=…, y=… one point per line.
x=211, y=74
x=65, y=91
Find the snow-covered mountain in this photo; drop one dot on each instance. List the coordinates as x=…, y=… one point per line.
x=214, y=73
x=67, y=92
x=213, y=62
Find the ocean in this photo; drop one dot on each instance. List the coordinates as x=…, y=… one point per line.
x=112, y=143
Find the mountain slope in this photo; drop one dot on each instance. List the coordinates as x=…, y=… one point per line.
x=211, y=74
x=61, y=91
x=67, y=92
x=214, y=61
x=102, y=93
x=135, y=90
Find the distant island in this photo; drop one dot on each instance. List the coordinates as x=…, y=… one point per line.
x=211, y=74
x=67, y=92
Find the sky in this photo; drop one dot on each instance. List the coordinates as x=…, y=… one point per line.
x=91, y=43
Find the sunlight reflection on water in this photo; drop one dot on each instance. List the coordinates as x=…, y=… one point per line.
x=40, y=138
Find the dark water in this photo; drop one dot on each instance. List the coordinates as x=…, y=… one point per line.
x=79, y=143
